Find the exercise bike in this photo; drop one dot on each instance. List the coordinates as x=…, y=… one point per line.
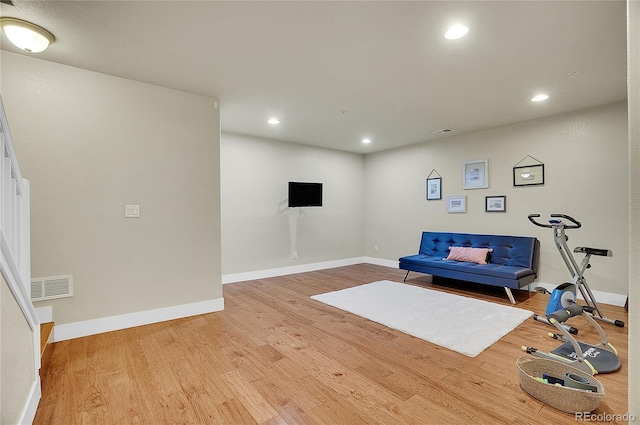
x=590, y=358
x=564, y=295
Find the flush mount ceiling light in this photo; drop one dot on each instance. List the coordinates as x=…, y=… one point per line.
x=274, y=121
x=366, y=141
x=539, y=98
x=455, y=32
x=26, y=36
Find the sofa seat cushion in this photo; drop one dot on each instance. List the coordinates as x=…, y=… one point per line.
x=418, y=260
x=496, y=270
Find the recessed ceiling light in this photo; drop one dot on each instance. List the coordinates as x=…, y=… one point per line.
x=366, y=141
x=539, y=98
x=456, y=31
x=27, y=36
x=274, y=121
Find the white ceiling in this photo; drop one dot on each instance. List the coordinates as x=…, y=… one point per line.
x=385, y=64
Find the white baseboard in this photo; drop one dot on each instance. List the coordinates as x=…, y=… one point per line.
x=283, y=271
x=382, y=262
x=601, y=297
x=29, y=411
x=114, y=323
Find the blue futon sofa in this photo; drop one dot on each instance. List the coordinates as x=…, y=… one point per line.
x=511, y=263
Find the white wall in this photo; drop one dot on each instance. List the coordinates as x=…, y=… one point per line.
x=17, y=365
x=91, y=143
x=586, y=176
x=260, y=232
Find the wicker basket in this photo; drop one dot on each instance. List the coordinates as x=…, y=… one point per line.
x=568, y=400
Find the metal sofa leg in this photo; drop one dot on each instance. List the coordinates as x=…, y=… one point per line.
x=510, y=294
x=405, y=276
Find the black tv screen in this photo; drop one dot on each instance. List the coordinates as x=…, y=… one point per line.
x=303, y=194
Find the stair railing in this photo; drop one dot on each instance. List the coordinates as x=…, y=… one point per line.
x=15, y=260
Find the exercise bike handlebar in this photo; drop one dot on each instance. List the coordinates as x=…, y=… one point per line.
x=575, y=223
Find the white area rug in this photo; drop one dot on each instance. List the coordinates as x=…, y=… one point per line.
x=461, y=324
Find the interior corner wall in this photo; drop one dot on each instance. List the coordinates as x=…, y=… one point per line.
x=633, y=90
x=92, y=143
x=586, y=176
x=260, y=232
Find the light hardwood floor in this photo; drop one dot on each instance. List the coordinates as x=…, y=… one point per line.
x=274, y=356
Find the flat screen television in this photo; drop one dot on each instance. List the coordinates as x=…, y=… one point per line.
x=303, y=194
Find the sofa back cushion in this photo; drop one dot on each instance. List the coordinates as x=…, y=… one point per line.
x=518, y=251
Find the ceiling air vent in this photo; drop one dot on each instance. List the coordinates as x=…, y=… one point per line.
x=443, y=131
x=49, y=288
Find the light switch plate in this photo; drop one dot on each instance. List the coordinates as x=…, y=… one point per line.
x=132, y=211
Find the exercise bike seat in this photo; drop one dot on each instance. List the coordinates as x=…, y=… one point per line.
x=594, y=251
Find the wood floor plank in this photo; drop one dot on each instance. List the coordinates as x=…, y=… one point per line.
x=275, y=356
x=250, y=397
x=234, y=412
x=417, y=410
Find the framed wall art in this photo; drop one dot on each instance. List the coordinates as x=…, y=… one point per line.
x=475, y=174
x=456, y=204
x=434, y=186
x=495, y=204
x=528, y=175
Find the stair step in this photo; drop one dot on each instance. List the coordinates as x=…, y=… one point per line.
x=46, y=333
x=46, y=330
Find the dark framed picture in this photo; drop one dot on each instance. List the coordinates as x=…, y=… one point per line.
x=495, y=204
x=434, y=189
x=530, y=175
